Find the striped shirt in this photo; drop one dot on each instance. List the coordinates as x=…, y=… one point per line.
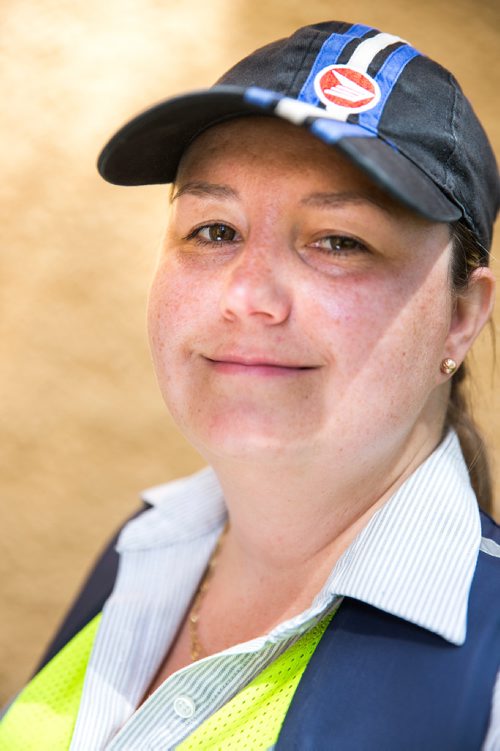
x=414, y=559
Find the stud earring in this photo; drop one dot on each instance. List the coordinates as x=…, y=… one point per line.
x=448, y=366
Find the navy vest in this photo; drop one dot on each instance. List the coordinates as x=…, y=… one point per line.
x=378, y=683
x=375, y=682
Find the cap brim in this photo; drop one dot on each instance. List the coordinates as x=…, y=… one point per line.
x=147, y=150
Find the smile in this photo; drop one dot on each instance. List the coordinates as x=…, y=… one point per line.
x=230, y=365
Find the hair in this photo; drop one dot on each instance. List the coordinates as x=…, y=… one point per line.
x=468, y=255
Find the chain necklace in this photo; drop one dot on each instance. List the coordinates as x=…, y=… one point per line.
x=197, y=650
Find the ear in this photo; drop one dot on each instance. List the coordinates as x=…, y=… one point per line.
x=473, y=308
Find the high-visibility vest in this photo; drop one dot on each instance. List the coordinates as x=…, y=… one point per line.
x=43, y=716
x=253, y=718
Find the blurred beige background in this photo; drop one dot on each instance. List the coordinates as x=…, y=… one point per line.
x=83, y=426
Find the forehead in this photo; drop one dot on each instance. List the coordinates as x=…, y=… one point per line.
x=252, y=150
x=262, y=141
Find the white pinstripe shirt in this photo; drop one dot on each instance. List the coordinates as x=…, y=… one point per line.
x=414, y=559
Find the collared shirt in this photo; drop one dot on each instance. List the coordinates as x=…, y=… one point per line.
x=414, y=559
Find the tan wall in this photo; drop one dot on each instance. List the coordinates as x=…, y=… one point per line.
x=83, y=425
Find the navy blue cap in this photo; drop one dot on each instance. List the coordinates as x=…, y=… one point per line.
x=395, y=113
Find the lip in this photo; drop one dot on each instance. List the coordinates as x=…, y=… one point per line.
x=259, y=366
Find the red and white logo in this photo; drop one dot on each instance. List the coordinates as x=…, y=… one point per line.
x=346, y=87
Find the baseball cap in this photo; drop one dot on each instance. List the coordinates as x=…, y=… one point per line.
x=398, y=115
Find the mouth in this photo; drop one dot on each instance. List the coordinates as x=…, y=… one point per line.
x=256, y=366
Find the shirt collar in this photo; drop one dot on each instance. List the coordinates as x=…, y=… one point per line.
x=182, y=510
x=415, y=558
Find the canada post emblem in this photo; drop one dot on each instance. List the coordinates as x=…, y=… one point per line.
x=347, y=88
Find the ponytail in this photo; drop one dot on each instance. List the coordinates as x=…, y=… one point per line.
x=468, y=256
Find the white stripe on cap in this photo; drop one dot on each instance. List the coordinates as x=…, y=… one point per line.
x=365, y=53
x=296, y=112
x=361, y=59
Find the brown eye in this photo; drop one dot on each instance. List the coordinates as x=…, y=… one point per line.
x=215, y=233
x=221, y=233
x=340, y=244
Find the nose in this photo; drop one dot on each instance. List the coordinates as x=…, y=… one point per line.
x=255, y=288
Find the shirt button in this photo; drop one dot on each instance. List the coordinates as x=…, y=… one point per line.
x=184, y=706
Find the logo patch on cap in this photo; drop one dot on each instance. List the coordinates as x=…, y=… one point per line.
x=347, y=88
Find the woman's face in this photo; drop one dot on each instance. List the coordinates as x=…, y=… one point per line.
x=297, y=311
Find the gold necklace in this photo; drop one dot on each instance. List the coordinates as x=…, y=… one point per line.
x=197, y=650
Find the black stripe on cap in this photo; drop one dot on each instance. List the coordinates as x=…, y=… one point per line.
x=352, y=46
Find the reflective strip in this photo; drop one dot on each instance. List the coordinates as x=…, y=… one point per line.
x=490, y=547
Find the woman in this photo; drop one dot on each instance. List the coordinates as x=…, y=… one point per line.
x=326, y=583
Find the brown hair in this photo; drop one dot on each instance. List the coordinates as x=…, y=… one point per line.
x=468, y=255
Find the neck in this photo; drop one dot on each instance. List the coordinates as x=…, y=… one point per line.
x=292, y=520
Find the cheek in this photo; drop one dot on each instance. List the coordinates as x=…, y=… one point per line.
x=170, y=313
x=351, y=319
x=384, y=332
x=170, y=310
x=384, y=349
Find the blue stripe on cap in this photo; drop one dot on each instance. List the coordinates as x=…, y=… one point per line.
x=387, y=78
x=261, y=97
x=328, y=55
x=331, y=131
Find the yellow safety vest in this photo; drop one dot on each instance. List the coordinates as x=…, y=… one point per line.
x=43, y=716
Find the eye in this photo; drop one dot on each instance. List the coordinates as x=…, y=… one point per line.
x=213, y=233
x=339, y=244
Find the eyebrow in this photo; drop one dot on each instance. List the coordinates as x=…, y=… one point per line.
x=202, y=188
x=317, y=200
x=331, y=200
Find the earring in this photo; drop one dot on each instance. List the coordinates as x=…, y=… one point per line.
x=448, y=366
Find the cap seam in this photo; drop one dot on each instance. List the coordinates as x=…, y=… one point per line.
x=299, y=68
x=447, y=172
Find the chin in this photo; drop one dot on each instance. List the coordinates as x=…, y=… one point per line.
x=251, y=442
